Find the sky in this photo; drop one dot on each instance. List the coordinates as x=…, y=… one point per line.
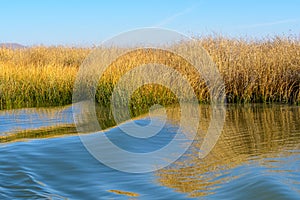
x=87, y=22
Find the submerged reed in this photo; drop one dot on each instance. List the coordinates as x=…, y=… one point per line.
x=254, y=71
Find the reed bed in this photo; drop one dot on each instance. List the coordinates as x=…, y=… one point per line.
x=258, y=71
x=254, y=71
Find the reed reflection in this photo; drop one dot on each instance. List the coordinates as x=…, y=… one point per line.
x=252, y=133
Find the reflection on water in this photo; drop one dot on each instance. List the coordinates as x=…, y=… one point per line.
x=33, y=118
x=22, y=124
x=256, y=157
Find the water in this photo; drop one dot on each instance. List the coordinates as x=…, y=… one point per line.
x=256, y=157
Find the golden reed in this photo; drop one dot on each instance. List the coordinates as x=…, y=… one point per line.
x=254, y=71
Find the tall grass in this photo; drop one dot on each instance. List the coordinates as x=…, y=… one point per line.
x=262, y=71
x=38, y=76
x=258, y=71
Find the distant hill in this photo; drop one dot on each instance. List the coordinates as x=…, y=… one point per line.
x=12, y=45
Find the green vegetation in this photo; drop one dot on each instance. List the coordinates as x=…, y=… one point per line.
x=254, y=71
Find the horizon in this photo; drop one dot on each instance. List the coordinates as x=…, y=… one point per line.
x=86, y=24
x=247, y=39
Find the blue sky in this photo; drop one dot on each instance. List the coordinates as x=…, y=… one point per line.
x=89, y=22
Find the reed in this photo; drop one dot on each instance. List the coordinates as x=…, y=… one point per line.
x=254, y=71
x=258, y=71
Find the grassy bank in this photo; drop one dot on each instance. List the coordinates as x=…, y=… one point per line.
x=253, y=71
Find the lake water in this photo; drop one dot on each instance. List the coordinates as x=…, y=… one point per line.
x=257, y=156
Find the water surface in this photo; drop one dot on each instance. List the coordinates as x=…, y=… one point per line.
x=256, y=157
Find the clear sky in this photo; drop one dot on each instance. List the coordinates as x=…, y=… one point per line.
x=87, y=22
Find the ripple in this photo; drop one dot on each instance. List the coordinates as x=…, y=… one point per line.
x=256, y=157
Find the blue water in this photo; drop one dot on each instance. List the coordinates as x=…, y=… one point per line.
x=256, y=157
x=63, y=168
x=33, y=118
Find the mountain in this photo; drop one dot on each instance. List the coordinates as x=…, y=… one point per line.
x=12, y=45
